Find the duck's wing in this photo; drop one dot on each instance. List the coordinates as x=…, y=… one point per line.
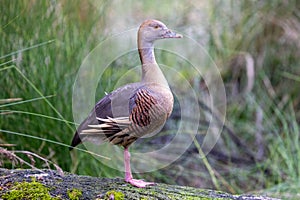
x=121, y=117
x=109, y=116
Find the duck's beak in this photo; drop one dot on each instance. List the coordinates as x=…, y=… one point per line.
x=171, y=34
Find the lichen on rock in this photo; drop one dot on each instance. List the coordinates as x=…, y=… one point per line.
x=18, y=184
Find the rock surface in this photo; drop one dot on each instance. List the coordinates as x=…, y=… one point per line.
x=103, y=188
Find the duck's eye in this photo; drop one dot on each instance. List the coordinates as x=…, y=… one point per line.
x=156, y=26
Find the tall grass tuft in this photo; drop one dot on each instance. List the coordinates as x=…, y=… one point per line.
x=42, y=46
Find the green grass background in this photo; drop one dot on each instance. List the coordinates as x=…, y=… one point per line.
x=43, y=43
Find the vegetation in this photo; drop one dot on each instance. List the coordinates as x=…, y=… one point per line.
x=114, y=195
x=255, y=45
x=74, y=194
x=29, y=190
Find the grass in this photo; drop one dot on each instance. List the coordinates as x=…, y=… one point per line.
x=41, y=56
x=43, y=44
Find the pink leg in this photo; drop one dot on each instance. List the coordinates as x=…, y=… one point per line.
x=128, y=175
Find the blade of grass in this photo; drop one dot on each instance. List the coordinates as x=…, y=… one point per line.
x=28, y=48
x=2, y=112
x=291, y=76
x=5, y=63
x=14, y=19
x=25, y=101
x=10, y=100
x=54, y=142
x=207, y=165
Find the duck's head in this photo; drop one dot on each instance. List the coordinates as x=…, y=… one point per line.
x=151, y=30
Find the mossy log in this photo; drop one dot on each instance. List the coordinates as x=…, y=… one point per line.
x=71, y=186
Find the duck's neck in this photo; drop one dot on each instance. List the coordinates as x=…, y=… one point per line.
x=151, y=73
x=146, y=51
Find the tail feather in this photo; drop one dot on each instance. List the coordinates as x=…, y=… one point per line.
x=76, y=140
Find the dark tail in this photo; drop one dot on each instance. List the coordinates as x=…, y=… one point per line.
x=76, y=140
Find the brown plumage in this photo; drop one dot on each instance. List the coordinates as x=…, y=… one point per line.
x=136, y=109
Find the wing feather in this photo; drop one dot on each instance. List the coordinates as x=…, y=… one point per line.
x=109, y=116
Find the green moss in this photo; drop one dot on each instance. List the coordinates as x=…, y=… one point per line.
x=27, y=191
x=74, y=194
x=117, y=195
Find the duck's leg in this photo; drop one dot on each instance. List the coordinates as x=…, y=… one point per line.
x=128, y=174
